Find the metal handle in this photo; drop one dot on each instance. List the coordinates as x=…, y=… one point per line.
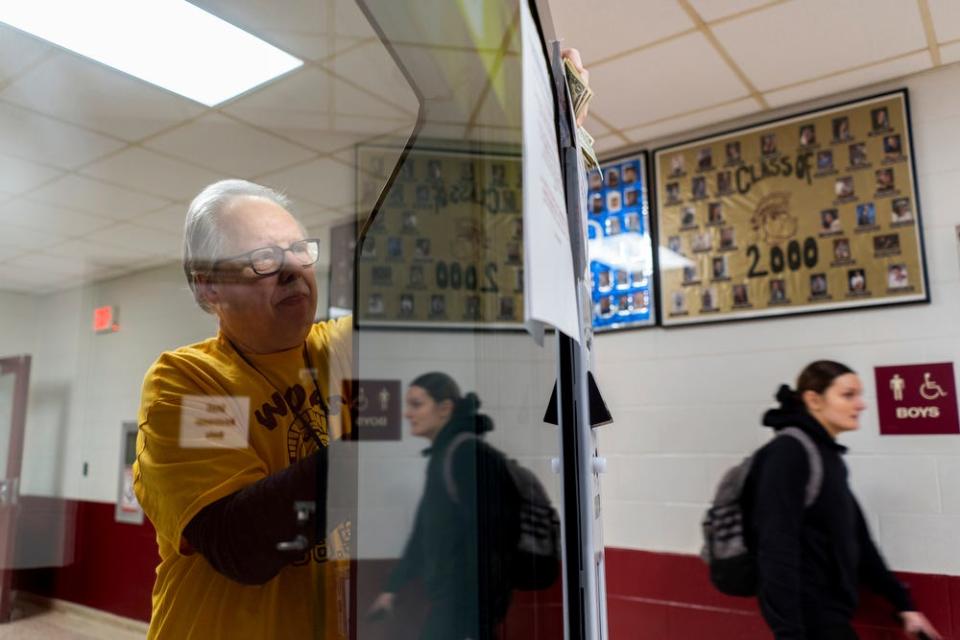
x=304, y=509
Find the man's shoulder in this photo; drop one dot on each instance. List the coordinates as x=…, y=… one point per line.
x=186, y=365
x=327, y=331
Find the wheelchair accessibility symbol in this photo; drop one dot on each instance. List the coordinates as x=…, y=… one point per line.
x=930, y=390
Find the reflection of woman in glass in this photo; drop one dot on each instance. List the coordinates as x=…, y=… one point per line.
x=814, y=549
x=457, y=544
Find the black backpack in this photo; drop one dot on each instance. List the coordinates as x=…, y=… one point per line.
x=534, y=559
x=733, y=566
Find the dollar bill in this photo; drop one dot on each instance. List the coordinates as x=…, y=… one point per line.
x=580, y=93
x=585, y=141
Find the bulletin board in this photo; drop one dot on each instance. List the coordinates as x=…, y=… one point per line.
x=620, y=246
x=446, y=247
x=809, y=213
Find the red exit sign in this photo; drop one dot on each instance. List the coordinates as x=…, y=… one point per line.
x=105, y=319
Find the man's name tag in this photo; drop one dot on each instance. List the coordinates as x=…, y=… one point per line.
x=214, y=421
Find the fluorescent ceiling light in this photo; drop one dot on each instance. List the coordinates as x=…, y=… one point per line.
x=169, y=43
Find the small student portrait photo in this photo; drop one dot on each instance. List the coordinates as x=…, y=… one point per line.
x=897, y=277
x=395, y=248
x=866, y=215
x=768, y=144
x=829, y=221
x=690, y=274
x=677, y=165
x=857, y=280
x=498, y=174
x=409, y=222
x=778, y=290
x=604, y=280
x=741, y=297
x=421, y=248
x=885, y=180
x=699, y=187
x=841, y=250
x=728, y=239
x=732, y=153
x=858, y=155
x=715, y=213
x=622, y=279
x=640, y=301
x=613, y=225
x=406, y=304
x=720, y=267
x=843, y=187
x=596, y=181
x=632, y=221
x=808, y=135
x=880, y=119
x=688, y=218
x=630, y=173
x=704, y=159
x=892, y=148
x=824, y=160
x=724, y=182
x=886, y=244
x=471, y=307
x=423, y=196
x=841, y=129
x=596, y=203
x=631, y=197
x=818, y=285
x=375, y=304
x=438, y=305
x=369, y=247
x=708, y=299
x=434, y=171
x=415, y=277
x=614, y=201
x=673, y=244
x=678, y=302
x=673, y=192
x=606, y=306
x=507, y=308
x=901, y=211
x=613, y=178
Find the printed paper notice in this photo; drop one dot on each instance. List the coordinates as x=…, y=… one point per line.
x=549, y=288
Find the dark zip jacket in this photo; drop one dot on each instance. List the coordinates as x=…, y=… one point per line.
x=810, y=560
x=456, y=547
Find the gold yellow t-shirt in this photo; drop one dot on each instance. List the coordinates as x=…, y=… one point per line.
x=212, y=422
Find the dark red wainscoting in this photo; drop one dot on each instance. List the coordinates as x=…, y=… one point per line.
x=663, y=596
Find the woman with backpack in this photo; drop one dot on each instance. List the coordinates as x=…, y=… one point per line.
x=457, y=546
x=812, y=559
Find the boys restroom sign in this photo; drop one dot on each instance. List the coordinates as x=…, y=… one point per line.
x=917, y=399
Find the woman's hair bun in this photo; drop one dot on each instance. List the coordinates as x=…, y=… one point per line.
x=471, y=401
x=788, y=398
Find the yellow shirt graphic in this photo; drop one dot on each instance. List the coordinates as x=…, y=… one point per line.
x=211, y=423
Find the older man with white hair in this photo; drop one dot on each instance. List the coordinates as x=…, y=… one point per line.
x=235, y=430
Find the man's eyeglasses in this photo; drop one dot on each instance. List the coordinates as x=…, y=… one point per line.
x=267, y=261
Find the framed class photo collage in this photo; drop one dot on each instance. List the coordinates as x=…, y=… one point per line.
x=809, y=213
x=446, y=247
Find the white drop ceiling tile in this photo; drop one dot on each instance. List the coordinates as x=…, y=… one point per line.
x=372, y=67
x=26, y=280
x=31, y=136
x=94, y=196
x=259, y=17
x=862, y=77
x=689, y=123
x=950, y=53
x=349, y=20
x=94, y=96
x=228, y=146
x=152, y=173
x=946, y=19
x=323, y=182
x=716, y=9
x=607, y=28
x=169, y=219
x=48, y=218
x=100, y=254
x=678, y=76
x=146, y=241
x=608, y=144
x=50, y=263
x=24, y=239
x=17, y=176
x=832, y=35
x=18, y=51
x=363, y=102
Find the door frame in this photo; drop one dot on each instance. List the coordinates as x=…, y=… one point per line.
x=18, y=366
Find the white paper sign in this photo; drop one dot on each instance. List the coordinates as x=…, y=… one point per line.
x=549, y=289
x=214, y=421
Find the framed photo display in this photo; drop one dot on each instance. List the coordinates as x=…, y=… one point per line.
x=810, y=213
x=446, y=247
x=619, y=244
